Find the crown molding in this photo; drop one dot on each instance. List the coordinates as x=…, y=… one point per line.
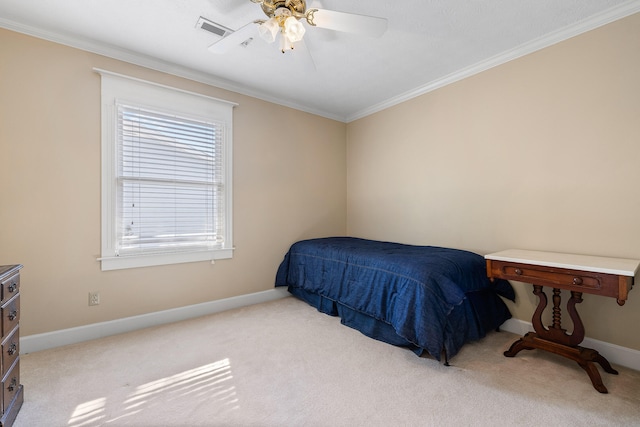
x=155, y=64
x=618, y=12
x=615, y=13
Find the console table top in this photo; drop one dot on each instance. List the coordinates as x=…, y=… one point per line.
x=597, y=264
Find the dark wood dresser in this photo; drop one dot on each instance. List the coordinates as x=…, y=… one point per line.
x=12, y=395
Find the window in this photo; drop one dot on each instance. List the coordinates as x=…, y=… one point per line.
x=166, y=175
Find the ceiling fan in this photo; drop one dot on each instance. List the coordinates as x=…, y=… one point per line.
x=284, y=19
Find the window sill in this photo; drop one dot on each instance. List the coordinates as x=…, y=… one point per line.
x=149, y=260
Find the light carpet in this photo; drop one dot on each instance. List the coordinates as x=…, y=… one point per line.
x=283, y=363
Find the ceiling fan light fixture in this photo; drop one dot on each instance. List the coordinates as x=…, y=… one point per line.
x=285, y=16
x=293, y=29
x=268, y=30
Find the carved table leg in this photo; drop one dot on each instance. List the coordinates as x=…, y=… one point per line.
x=555, y=339
x=515, y=348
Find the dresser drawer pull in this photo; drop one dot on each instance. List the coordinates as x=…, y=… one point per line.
x=13, y=384
x=12, y=287
x=518, y=272
x=13, y=348
x=577, y=281
x=13, y=315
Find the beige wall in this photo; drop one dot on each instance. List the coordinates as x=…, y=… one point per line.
x=287, y=186
x=540, y=153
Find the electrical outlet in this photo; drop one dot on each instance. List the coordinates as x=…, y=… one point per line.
x=94, y=298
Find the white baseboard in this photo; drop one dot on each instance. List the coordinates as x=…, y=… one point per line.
x=38, y=342
x=615, y=354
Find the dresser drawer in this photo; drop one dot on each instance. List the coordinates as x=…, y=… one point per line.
x=10, y=384
x=9, y=287
x=573, y=280
x=10, y=313
x=10, y=351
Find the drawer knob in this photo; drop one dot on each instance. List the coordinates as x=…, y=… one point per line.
x=13, y=315
x=12, y=349
x=12, y=287
x=577, y=281
x=13, y=384
x=518, y=272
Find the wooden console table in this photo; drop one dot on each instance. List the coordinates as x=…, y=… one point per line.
x=610, y=277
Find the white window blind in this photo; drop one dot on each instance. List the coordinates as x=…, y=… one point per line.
x=166, y=174
x=170, y=182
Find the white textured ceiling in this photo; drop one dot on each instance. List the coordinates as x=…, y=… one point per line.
x=428, y=43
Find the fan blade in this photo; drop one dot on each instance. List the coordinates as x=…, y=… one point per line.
x=234, y=39
x=347, y=22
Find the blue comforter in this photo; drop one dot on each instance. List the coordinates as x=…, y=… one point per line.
x=429, y=298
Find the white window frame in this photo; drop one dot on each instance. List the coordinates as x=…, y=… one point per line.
x=117, y=88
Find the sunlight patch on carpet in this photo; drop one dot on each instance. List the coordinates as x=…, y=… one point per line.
x=210, y=383
x=88, y=413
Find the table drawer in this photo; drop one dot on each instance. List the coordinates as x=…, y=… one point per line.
x=9, y=287
x=10, y=313
x=10, y=384
x=573, y=280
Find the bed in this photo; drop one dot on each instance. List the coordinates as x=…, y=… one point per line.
x=429, y=299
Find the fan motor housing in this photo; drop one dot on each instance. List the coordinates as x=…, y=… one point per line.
x=297, y=7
